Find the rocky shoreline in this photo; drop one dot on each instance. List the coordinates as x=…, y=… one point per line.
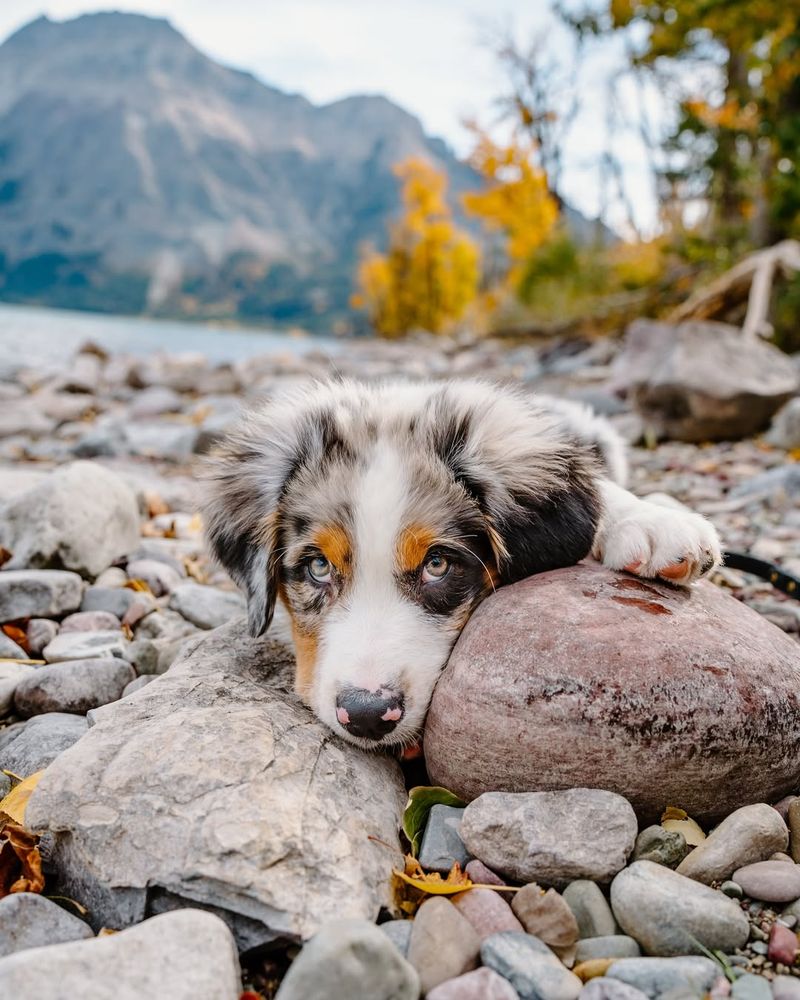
x=189, y=798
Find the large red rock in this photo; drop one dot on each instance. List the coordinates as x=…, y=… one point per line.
x=585, y=677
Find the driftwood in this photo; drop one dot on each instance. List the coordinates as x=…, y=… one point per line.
x=750, y=280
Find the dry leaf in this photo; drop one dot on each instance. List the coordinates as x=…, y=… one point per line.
x=678, y=821
x=5, y=555
x=432, y=882
x=194, y=569
x=140, y=586
x=154, y=504
x=20, y=861
x=16, y=802
x=17, y=635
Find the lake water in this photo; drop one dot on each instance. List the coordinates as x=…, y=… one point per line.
x=30, y=335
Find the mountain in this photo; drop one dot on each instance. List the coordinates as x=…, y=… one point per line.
x=136, y=174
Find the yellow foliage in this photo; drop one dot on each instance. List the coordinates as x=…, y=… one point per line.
x=635, y=265
x=429, y=275
x=517, y=201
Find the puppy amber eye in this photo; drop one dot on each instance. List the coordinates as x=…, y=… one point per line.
x=319, y=569
x=435, y=568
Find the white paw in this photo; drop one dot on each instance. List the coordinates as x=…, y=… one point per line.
x=658, y=542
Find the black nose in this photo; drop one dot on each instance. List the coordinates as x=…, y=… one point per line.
x=370, y=714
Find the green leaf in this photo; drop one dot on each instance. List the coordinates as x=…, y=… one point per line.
x=420, y=801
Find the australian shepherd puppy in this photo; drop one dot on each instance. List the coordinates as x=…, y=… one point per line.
x=382, y=515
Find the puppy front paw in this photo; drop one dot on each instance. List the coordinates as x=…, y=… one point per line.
x=660, y=543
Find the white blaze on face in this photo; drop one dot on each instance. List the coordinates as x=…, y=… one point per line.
x=374, y=637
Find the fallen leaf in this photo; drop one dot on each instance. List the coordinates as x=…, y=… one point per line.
x=592, y=968
x=154, y=504
x=432, y=882
x=194, y=569
x=140, y=586
x=678, y=821
x=16, y=802
x=17, y=635
x=20, y=861
x=5, y=555
x=421, y=800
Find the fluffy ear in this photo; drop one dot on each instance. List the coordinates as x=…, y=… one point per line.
x=244, y=485
x=534, y=483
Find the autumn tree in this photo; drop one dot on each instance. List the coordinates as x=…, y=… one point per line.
x=516, y=201
x=429, y=275
x=733, y=69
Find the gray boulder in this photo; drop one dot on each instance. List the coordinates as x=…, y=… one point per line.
x=551, y=837
x=273, y=813
x=350, y=958
x=82, y=518
x=206, y=607
x=40, y=741
x=85, y=645
x=38, y=593
x=670, y=915
x=28, y=920
x=784, y=432
x=74, y=686
x=703, y=381
x=183, y=956
x=11, y=675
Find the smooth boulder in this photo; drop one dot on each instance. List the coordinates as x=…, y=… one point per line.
x=214, y=785
x=752, y=833
x=703, y=381
x=183, y=956
x=551, y=837
x=74, y=686
x=586, y=677
x=671, y=915
x=38, y=593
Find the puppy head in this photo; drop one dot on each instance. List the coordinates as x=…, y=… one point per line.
x=381, y=516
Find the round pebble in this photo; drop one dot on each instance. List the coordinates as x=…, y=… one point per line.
x=770, y=881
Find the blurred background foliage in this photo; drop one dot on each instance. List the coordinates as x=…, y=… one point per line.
x=723, y=147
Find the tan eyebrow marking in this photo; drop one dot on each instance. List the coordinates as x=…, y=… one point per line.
x=334, y=543
x=413, y=543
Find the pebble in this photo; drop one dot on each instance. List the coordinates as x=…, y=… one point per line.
x=349, y=958
x=206, y=607
x=443, y=944
x=40, y=741
x=664, y=847
x=28, y=920
x=39, y=633
x=487, y=911
x=782, y=807
x=670, y=914
x=793, y=821
x=656, y=976
x=771, y=881
x=116, y=600
x=442, y=845
x=751, y=987
x=530, y=967
x=542, y=836
x=11, y=675
x=182, y=954
x=38, y=593
x=136, y=684
x=159, y=577
x=73, y=686
x=591, y=909
x=786, y=988
x=481, y=984
x=732, y=889
x=398, y=932
x=481, y=875
x=546, y=915
x=85, y=645
x=90, y=621
x=604, y=988
x=783, y=945
x=613, y=946
x=749, y=834
x=114, y=576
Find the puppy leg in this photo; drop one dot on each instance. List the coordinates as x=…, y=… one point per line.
x=653, y=540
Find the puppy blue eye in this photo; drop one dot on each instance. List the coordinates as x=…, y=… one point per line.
x=319, y=569
x=435, y=568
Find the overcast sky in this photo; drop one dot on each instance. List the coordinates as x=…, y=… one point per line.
x=430, y=56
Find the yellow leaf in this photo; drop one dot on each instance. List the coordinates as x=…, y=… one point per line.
x=140, y=586
x=677, y=821
x=435, y=886
x=16, y=802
